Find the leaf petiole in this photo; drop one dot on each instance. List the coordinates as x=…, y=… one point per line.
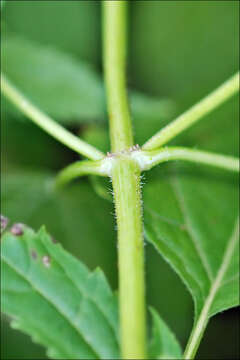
x=195, y=113
x=81, y=168
x=46, y=123
x=149, y=159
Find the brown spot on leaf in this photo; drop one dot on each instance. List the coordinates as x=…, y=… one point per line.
x=183, y=227
x=17, y=229
x=34, y=254
x=54, y=240
x=4, y=222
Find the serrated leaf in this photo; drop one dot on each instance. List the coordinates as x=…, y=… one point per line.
x=68, y=89
x=163, y=344
x=63, y=306
x=33, y=198
x=190, y=217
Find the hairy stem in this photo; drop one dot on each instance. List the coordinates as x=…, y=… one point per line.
x=126, y=186
x=202, y=108
x=46, y=123
x=149, y=159
x=126, y=180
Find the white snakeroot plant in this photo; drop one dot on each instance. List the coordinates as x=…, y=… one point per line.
x=92, y=331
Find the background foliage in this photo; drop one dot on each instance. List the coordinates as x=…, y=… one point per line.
x=177, y=49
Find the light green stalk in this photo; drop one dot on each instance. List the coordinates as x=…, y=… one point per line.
x=127, y=194
x=114, y=27
x=126, y=186
x=46, y=123
x=80, y=168
x=195, y=113
x=149, y=159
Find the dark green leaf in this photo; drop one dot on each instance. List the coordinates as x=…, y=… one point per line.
x=55, y=82
x=190, y=217
x=72, y=215
x=72, y=26
x=149, y=114
x=186, y=54
x=74, y=210
x=40, y=151
x=66, y=88
x=56, y=300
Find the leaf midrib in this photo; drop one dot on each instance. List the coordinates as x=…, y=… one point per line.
x=200, y=253
x=204, y=315
x=89, y=297
x=193, y=278
x=47, y=198
x=52, y=304
x=86, y=296
x=180, y=258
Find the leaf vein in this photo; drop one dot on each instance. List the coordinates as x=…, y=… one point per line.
x=51, y=303
x=200, y=253
x=85, y=294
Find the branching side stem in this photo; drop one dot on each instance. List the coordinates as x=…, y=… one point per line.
x=124, y=166
x=80, y=168
x=126, y=186
x=46, y=123
x=195, y=113
x=148, y=159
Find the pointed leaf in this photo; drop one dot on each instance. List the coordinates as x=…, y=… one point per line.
x=55, y=299
x=164, y=344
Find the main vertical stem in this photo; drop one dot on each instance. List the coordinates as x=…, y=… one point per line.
x=114, y=29
x=131, y=262
x=126, y=186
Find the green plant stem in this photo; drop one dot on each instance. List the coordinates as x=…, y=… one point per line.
x=126, y=186
x=114, y=29
x=46, y=123
x=203, y=319
x=80, y=168
x=127, y=193
x=149, y=159
x=202, y=108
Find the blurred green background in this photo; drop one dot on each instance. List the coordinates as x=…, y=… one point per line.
x=179, y=50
